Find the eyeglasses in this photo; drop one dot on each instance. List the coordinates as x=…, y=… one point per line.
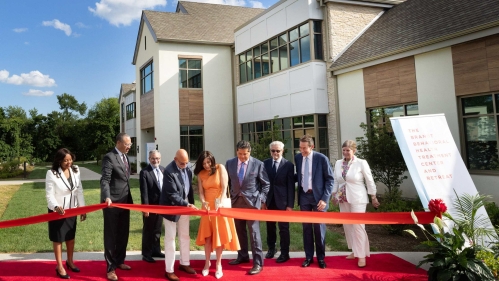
x=275, y=151
x=128, y=145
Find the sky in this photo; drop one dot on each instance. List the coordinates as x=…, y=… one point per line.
x=82, y=48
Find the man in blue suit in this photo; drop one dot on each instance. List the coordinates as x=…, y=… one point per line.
x=281, y=197
x=249, y=185
x=315, y=184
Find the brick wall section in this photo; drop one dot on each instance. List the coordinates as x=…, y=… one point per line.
x=344, y=23
x=476, y=66
x=390, y=83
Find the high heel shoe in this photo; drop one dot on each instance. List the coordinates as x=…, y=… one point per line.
x=60, y=275
x=74, y=269
x=219, y=274
x=205, y=272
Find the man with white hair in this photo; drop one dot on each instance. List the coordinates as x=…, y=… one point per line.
x=281, y=196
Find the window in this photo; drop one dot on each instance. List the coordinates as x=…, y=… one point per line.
x=393, y=111
x=133, y=148
x=292, y=129
x=285, y=50
x=122, y=112
x=130, y=111
x=191, y=139
x=480, y=118
x=190, y=73
x=146, y=78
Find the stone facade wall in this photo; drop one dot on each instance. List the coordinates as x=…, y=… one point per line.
x=344, y=23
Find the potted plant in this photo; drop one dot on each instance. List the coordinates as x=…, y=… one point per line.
x=453, y=252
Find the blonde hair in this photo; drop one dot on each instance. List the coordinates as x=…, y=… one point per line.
x=350, y=144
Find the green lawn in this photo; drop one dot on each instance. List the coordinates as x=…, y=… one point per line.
x=39, y=172
x=30, y=200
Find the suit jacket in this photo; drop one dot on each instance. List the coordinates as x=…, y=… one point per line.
x=150, y=192
x=114, y=182
x=358, y=172
x=58, y=190
x=173, y=193
x=322, y=177
x=255, y=185
x=282, y=183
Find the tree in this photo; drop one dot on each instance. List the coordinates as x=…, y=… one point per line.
x=15, y=133
x=46, y=138
x=260, y=147
x=103, y=124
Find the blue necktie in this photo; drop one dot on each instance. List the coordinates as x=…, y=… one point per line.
x=306, y=176
x=240, y=175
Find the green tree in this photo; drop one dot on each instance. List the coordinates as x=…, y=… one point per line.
x=46, y=140
x=260, y=147
x=103, y=124
x=15, y=134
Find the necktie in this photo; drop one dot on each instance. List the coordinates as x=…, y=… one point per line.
x=158, y=176
x=306, y=176
x=186, y=182
x=126, y=165
x=240, y=175
x=275, y=167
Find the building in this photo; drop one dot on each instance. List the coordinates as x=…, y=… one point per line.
x=128, y=120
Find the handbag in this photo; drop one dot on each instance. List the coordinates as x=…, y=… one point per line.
x=223, y=202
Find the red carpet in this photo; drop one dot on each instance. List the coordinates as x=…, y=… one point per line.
x=380, y=267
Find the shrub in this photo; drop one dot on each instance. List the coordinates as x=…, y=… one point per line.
x=392, y=201
x=143, y=165
x=493, y=212
x=489, y=259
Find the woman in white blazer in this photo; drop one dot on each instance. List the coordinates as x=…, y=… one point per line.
x=63, y=190
x=349, y=175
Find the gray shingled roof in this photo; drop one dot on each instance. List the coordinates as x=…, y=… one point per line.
x=125, y=88
x=417, y=23
x=204, y=23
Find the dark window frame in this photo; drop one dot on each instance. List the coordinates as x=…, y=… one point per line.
x=190, y=69
x=146, y=77
x=185, y=131
x=130, y=110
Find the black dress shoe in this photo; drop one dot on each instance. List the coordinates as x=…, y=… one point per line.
x=158, y=255
x=322, y=264
x=62, y=276
x=307, y=262
x=148, y=259
x=74, y=269
x=238, y=261
x=270, y=254
x=282, y=258
x=255, y=270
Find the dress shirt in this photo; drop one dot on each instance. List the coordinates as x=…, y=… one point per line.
x=276, y=163
x=239, y=166
x=310, y=160
x=121, y=155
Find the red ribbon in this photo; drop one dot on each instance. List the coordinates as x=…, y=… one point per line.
x=245, y=214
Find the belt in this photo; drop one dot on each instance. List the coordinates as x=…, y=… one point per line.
x=309, y=191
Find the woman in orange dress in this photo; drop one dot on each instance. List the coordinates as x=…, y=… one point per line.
x=214, y=232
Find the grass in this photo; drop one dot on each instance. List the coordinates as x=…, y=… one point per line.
x=39, y=172
x=6, y=193
x=29, y=200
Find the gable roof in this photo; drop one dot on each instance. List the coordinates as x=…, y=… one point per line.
x=125, y=89
x=196, y=23
x=417, y=23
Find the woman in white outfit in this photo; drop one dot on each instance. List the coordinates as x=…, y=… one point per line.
x=349, y=189
x=63, y=191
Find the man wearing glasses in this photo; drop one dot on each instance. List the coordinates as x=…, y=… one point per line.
x=115, y=188
x=151, y=182
x=281, y=196
x=177, y=191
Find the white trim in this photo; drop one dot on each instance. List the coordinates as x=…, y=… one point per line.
x=425, y=49
x=358, y=35
x=360, y=3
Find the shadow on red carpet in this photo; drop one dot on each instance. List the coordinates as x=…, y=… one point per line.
x=380, y=267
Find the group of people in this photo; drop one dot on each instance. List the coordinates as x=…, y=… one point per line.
x=248, y=182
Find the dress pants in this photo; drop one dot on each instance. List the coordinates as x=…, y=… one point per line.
x=312, y=231
x=183, y=238
x=283, y=232
x=116, y=231
x=242, y=234
x=356, y=234
x=151, y=233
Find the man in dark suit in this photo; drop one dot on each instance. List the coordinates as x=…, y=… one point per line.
x=151, y=181
x=281, y=197
x=249, y=185
x=177, y=191
x=315, y=184
x=115, y=188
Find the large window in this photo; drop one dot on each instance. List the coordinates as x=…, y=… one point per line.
x=130, y=111
x=285, y=50
x=122, y=112
x=480, y=118
x=189, y=73
x=146, y=78
x=191, y=139
x=133, y=148
x=292, y=129
x=393, y=111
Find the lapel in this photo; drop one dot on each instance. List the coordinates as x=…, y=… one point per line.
x=153, y=175
x=298, y=161
x=179, y=178
x=122, y=164
x=283, y=161
x=315, y=163
x=65, y=180
x=248, y=169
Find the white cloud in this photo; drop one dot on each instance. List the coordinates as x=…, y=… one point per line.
x=38, y=93
x=222, y=2
x=123, y=12
x=19, y=30
x=58, y=25
x=257, y=4
x=34, y=78
x=81, y=25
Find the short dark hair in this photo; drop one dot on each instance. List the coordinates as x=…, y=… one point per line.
x=243, y=145
x=59, y=157
x=307, y=138
x=121, y=136
x=199, y=163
